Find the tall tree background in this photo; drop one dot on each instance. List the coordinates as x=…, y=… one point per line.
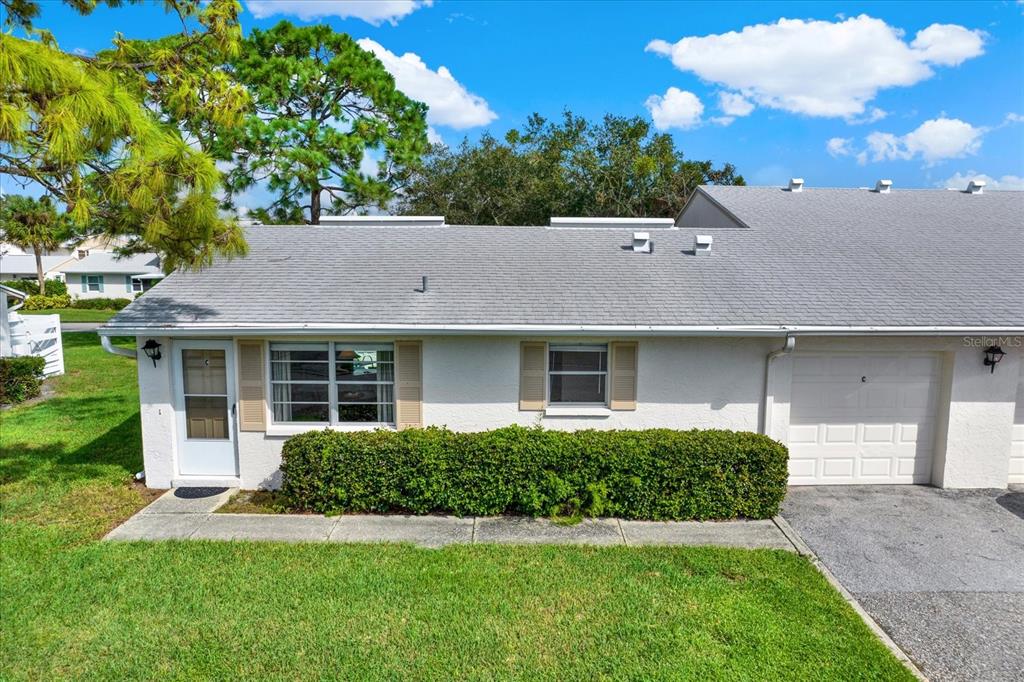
x=329, y=130
x=106, y=136
x=572, y=167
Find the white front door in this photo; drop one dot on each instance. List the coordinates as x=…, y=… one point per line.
x=863, y=417
x=205, y=378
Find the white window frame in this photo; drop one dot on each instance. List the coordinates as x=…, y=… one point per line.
x=89, y=283
x=589, y=347
x=332, y=383
x=136, y=285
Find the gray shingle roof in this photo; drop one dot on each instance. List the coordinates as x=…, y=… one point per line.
x=135, y=264
x=26, y=264
x=819, y=257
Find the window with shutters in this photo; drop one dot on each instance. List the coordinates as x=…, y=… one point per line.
x=578, y=375
x=332, y=383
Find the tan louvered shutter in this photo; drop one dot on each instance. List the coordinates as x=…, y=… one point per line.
x=408, y=384
x=533, y=363
x=623, y=375
x=252, y=406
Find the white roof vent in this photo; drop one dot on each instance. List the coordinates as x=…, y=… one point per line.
x=796, y=184
x=641, y=242
x=635, y=223
x=382, y=220
x=702, y=244
x=883, y=186
x=976, y=187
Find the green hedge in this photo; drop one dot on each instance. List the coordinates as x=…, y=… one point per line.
x=100, y=303
x=653, y=474
x=20, y=378
x=54, y=287
x=47, y=302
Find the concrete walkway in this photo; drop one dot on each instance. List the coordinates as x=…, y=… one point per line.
x=187, y=513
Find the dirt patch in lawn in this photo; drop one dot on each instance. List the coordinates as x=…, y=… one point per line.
x=256, y=502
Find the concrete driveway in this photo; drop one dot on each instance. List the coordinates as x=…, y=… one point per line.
x=942, y=571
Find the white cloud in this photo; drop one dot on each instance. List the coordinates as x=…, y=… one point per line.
x=733, y=104
x=820, y=68
x=1006, y=182
x=839, y=146
x=434, y=137
x=449, y=101
x=934, y=140
x=947, y=44
x=675, y=109
x=374, y=12
x=722, y=120
x=873, y=115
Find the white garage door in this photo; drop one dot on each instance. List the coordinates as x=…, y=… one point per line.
x=863, y=417
x=1017, y=447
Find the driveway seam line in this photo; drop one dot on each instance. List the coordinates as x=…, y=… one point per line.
x=802, y=548
x=622, y=532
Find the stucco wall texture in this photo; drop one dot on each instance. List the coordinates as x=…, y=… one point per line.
x=471, y=383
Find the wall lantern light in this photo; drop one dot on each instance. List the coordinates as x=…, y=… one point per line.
x=152, y=349
x=993, y=354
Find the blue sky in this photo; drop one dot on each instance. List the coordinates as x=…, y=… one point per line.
x=841, y=94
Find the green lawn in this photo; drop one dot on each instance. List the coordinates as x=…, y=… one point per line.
x=75, y=314
x=72, y=607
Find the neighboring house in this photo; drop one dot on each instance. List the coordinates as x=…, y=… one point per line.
x=24, y=266
x=108, y=275
x=31, y=334
x=850, y=324
x=78, y=249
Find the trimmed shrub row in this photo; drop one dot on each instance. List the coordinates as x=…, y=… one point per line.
x=65, y=301
x=54, y=287
x=100, y=303
x=47, y=302
x=20, y=378
x=658, y=474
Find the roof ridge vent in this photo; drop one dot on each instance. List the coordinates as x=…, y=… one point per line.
x=382, y=220
x=883, y=186
x=636, y=223
x=796, y=185
x=641, y=242
x=702, y=244
x=976, y=186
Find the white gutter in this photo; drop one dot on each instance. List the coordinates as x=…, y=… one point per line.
x=203, y=329
x=111, y=348
x=769, y=398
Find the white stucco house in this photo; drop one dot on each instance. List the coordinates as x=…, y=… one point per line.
x=876, y=332
x=109, y=275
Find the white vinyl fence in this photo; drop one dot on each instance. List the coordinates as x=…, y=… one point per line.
x=38, y=335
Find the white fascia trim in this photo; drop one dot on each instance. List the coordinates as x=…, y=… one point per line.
x=551, y=330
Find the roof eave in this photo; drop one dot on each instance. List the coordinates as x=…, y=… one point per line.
x=212, y=330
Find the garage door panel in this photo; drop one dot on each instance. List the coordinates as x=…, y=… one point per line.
x=880, y=433
x=881, y=397
x=877, y=467
x=1017, y=444
x=863, y=418
x=845, y=434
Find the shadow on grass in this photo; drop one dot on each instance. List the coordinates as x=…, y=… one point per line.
x=119, y=446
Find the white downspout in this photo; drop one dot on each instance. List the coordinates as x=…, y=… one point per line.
x=111, y=348
x=769, y=400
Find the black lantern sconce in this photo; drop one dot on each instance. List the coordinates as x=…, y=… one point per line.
x=152, y=350
x=993, y=354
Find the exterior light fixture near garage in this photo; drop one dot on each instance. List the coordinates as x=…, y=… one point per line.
x=993, y=354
